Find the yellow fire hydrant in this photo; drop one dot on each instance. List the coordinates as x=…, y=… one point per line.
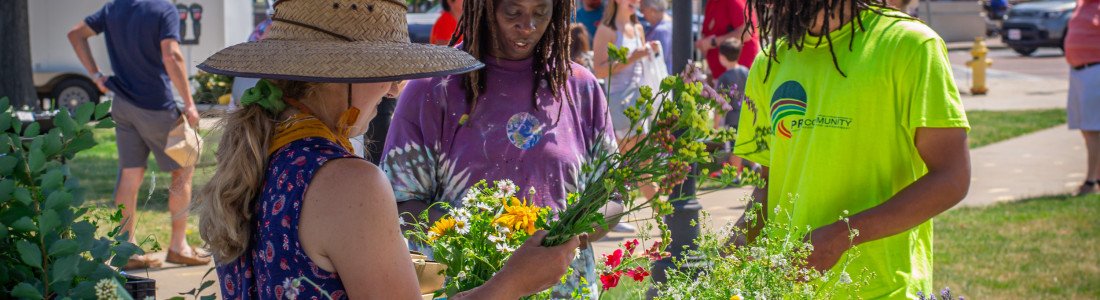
x=978, y=65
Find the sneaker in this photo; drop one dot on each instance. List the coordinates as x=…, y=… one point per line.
x=624, y=228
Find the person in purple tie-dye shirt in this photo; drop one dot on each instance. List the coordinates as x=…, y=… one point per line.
x=531, y=116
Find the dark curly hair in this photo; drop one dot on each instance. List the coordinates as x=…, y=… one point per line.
x=477, y=28
x=791, y=20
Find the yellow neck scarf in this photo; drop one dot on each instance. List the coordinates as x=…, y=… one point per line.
x=303, y=125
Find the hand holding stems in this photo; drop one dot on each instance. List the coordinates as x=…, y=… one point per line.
x=830, y=242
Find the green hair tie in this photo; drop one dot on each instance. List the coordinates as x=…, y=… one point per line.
x=265, y=95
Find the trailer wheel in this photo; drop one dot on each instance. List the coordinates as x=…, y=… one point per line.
x=72, y=92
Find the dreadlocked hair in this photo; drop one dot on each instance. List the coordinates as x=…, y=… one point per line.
x=791, y=20
x=551, y=57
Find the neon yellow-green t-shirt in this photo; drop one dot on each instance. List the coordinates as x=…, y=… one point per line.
x=836, y=143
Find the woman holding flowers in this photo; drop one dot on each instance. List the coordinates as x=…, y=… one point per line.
x=290, y=211
x=530, y=116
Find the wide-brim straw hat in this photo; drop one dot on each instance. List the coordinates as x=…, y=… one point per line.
x=339, y=41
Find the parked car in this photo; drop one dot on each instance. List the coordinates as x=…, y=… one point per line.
x=1036, y=24
x=420, y=24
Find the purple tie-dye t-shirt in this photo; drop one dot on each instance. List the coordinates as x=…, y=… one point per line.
x=430, y=157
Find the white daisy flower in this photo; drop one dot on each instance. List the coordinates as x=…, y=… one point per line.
x=505, y=248
x=462, y=215
x=496, y=239
x=461, y=227
x=501, y=229
x=469, y=199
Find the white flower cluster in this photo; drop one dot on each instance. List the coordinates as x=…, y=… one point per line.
x=106, y=289
x=505, y=189
x=500, y=238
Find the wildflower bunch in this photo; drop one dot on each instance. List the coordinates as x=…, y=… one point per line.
x=475, y=239
x=669, y=129
x=773, y=266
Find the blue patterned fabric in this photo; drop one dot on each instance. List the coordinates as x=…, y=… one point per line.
x=275, y=255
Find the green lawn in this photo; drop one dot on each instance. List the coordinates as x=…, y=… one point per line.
x=97, y=169
x=1045, y=248
x=987, y=127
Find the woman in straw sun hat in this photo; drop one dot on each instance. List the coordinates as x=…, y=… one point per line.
x=288, y=200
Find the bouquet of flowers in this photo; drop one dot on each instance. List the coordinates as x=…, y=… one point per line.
x=669, y=129
x=475, y=240
x=771, y=267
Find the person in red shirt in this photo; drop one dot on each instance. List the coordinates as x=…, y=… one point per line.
x=723, y=19
x=1083, y=107
x=448, y=20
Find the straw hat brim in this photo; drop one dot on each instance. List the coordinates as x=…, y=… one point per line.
x=339, y=61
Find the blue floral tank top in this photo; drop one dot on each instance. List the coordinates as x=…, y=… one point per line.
x=275, y=256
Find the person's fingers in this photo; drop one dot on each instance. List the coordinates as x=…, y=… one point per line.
x=575, y=241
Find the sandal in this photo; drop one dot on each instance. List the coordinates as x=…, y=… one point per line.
x=195, y=259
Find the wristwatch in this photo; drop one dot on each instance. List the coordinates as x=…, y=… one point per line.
x=714, y=41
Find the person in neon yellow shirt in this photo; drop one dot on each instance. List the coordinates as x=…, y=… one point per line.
x=854, y=112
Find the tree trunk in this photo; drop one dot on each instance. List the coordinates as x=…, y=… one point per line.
x=16, y=81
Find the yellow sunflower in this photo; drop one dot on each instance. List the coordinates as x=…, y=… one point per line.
x=519, y=216
x=440, y=227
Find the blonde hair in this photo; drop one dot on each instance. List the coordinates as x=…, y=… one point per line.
x=225, y=205
x=610, y=13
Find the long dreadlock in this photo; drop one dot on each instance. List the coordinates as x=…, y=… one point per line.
x=551, y=57
x=791, y=20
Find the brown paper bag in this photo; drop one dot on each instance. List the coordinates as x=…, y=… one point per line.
x=184, y=144
x=429, y=273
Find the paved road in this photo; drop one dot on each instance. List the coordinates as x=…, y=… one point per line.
x=1046, y=62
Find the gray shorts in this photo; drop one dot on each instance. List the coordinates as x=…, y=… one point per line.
x=140, y=131
x=1083, y=107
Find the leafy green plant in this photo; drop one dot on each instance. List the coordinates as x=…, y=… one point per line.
x=669, y=129
x=48, y=243
x=773, y=266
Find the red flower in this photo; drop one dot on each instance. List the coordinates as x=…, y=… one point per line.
x=637, y=273
x=610, y=280
x=654, y=252
x=614, y=259
x=630, y=246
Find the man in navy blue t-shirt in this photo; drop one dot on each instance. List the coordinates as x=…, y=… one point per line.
x=143, y=45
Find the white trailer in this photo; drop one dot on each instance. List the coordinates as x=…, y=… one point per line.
x=58, y=74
